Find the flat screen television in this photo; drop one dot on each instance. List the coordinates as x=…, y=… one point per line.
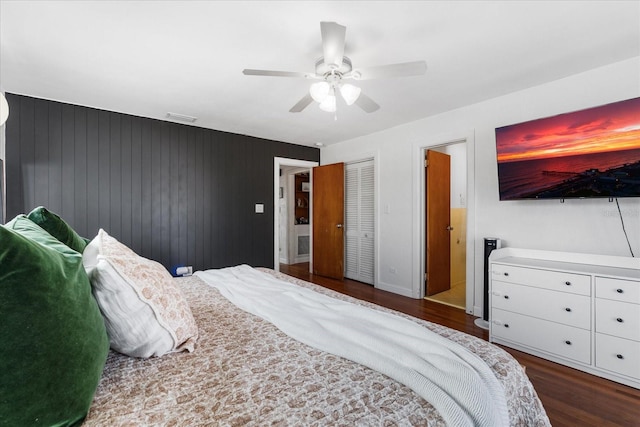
x=587, y=153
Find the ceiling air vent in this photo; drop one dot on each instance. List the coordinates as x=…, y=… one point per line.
x=181, y=117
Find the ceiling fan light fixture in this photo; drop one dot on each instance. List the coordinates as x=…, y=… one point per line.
x=332, y=68
x=350, y=93
x=329, y=104
x=319, y=91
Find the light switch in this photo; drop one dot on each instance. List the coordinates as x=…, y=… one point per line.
x=259, y=208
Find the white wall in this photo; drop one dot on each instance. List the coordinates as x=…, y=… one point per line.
x=589, y=226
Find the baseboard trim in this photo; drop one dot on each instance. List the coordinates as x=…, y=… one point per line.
x=395, y=289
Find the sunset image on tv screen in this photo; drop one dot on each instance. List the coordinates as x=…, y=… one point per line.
x=588, y=153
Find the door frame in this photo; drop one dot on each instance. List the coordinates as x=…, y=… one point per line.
x=419, y=227
x=277, y=163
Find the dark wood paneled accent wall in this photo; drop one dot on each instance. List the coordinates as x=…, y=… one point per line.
x=174, y=193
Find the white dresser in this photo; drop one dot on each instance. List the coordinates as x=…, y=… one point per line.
x=580, y=310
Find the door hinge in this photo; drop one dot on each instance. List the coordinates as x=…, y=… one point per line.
x=426, y=163
x=426, y=277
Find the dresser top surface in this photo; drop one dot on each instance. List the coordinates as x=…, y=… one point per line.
x=571, y=267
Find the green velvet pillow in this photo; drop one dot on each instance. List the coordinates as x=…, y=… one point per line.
x=53, y=342
x=58, y=228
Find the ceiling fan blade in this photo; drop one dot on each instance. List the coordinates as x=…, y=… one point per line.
x=333, y=36
x=366, y=103
x=404, y=69
x=271, y=73
x=302, y=104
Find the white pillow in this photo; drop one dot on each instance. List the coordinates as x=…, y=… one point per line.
x=144, y=311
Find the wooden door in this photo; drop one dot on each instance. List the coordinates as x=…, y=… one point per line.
x=438, y=211
x=328, y=220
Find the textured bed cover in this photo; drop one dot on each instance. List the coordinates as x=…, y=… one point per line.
x=247, y=372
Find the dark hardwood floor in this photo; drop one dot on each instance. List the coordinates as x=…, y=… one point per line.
x=570, y=397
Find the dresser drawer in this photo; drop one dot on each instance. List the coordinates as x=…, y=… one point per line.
x=561, y=340
x=618, y=289
x=620, y=319
x=560, y=307
x=554, y=280
x=618, y=355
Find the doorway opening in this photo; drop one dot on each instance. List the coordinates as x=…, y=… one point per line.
x=292, y=240
x=293, y=208
x=446, y=224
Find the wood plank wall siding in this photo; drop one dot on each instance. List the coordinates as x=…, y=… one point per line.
x=174, y=193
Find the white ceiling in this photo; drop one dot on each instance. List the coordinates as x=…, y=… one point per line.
x=148, y=58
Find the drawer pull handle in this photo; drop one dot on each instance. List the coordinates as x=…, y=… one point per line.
x=620, y=291
x=568, y=309
x=567, y=283
x=619, y=320
x=619, y=356
x=506, y=274
x=506, y=297
x=567, y=342
x=506, y=325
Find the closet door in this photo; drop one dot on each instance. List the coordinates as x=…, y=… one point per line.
x=359, y=221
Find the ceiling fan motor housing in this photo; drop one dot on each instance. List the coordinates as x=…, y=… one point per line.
x=323, y=69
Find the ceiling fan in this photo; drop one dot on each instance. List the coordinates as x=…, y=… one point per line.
x=333, y=69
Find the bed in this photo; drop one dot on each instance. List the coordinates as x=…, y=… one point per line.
x=94, y=334
x=245, y=371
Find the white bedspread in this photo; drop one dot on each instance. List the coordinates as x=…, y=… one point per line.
x=455, y=381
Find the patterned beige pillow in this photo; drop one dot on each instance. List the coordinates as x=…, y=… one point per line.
x=144, y=310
